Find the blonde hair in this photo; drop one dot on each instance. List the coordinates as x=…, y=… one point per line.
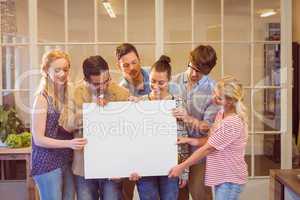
x=231, y=88
x=46, y=85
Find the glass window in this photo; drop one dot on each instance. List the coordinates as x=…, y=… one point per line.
x=266, y=20
x=20, y=101
x=51, y=23
x=78, y=53
x=147, y=54
x=177, y=20
x=179, y=54
x=108, y=53
x=107, y=23
x=237, y=62
x=207, y=21
x=81, y=21
x=267, y=153
x=267, y=64
x=237, y=18
x=14, y=21
x=15, y=67
x=267, y=107
x=141, y=21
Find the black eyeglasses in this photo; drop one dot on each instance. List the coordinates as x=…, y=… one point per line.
x=194, y=68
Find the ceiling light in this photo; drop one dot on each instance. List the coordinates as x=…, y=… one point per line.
x=108, y=8
x=267, y=12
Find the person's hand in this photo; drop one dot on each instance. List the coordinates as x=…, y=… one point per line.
x=181, y=113
x=198, y=125
x=198, y=142
x=77, y=143
x=203, y=126
x=134, y=99
x=183, y=140
x=134, y=177
x=187, y=140
x=182, y=183
x=102, y=102
x=176, y=171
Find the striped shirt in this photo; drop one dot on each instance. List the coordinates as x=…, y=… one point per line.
x=227, y=163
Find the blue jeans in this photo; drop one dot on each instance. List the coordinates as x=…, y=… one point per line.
x=56, y=185
x=92, y=189
x=228, y=191
x=158, y=187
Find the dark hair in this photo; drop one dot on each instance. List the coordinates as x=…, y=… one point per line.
x=204, y=58
x=163, y=65
x=124, y=49
x=94, y=65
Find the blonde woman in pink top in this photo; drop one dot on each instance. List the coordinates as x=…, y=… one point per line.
x=226, y=168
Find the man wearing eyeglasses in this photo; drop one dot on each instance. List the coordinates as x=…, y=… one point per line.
x=98, y=87
x=196, y=88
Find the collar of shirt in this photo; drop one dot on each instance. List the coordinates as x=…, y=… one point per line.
x=200, y=83
x=146, y=89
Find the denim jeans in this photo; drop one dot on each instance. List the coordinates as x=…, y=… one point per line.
x=228, y=191
x=158, y=187
x=56, y=185
x=92, y=189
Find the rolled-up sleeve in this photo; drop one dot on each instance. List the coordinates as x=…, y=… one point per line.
x=211, y=112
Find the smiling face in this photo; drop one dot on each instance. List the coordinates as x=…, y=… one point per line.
x=58, y=71
x=220, y=99
x=130, y=66
x=159, y=82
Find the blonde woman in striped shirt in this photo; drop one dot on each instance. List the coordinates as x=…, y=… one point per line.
x=226, y=169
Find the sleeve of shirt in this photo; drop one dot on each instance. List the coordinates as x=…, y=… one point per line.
x=183, y=154
x=122, y=94
x=123, y=83
x=183, y=149
x=211, y=112
x=223, y=135
x=174, y=86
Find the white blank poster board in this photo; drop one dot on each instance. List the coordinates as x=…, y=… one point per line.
x=126, y=137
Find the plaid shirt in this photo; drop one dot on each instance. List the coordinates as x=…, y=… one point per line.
x=198, y=100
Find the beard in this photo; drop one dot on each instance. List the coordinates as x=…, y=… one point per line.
x=134, y=74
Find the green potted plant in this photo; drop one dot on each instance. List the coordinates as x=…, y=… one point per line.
x=10, y=123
